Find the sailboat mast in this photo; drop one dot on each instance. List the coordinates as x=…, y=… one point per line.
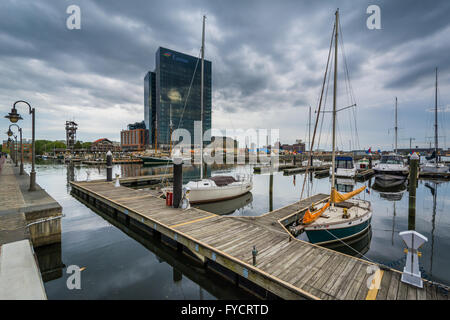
x=309, y=137
x=436, y=121
x=333, y=154
x=201, y=98
x=396, y=127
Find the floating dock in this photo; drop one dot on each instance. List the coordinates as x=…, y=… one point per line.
x=364, y=174
x=303, y=169
x=285, y=267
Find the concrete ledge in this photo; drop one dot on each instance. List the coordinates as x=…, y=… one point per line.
x=20, y=278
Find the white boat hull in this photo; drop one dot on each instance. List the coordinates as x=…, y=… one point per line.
x=432, y=168
x=198, y=194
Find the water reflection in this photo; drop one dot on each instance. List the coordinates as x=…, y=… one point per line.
x=181, y=265
x=50, y=261
x=357, y=246
x=232, y=206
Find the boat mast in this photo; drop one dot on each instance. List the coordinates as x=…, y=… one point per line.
x=333, y=154
x=436, y=122
x=396, y=128
x=170, y=129
x=309, y=137
x=201, y=99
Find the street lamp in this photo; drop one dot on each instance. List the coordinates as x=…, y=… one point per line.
x=10, y=133
x=13, y=116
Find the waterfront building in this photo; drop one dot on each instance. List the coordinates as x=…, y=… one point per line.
x=104, y=145
x=27, y=148
x=135, y=138
x=170, y=100
x=298, y=147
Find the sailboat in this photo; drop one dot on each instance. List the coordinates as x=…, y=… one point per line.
x=342, y=217
x=391, y=169
x=216, y=188
x=433, y=165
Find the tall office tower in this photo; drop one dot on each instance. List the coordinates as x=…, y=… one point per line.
x=176, y=82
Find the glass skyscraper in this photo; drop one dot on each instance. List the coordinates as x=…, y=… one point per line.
x=169, y=103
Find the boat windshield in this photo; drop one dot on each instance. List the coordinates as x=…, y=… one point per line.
x=344, y=164
x=391, y=160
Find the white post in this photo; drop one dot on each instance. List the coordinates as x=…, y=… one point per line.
x=411, y=272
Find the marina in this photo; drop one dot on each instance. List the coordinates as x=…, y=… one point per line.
x=266, y=224
x=265, y=161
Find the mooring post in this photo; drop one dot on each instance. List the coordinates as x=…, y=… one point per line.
x=413, y=167
x=177, y=183
x=254, y=254
x=109, y=166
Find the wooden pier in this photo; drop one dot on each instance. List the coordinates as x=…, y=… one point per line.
x=285, y=266
x=303, y=169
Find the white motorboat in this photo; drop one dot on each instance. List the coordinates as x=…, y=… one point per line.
x=345, y=167
x=391, y=167
x=315, y=163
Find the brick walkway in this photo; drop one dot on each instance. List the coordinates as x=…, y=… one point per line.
x=10, y=195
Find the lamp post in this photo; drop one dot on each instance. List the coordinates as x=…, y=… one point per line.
x=15, y=150
x=13, y=116
x=10, y=133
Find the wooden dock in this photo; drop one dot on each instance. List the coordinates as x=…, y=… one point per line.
x=285, y=266
x=431, y=175
x=364, y=174
x=145, y=180
x=303, y=169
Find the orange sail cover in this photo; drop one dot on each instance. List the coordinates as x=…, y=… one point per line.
x=337, y=197
x=312, y=216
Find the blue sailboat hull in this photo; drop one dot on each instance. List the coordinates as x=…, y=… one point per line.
x=332, y=235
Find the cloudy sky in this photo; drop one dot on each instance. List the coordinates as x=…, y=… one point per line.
x=268, y=60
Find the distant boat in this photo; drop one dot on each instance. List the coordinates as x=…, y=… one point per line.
x=433, y=165
x=155, y=161
x=345, y=167
x=363, y=163
x=315, y=163
x=391, y=169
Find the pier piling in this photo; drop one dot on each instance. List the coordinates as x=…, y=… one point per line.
x=177, y=184
x=413, y=167
x=109, y=166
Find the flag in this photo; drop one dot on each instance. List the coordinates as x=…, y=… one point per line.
x=368, y=191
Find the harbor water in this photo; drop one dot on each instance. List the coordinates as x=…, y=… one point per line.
x=118, y=263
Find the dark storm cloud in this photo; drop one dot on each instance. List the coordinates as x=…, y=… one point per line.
x=266, y=54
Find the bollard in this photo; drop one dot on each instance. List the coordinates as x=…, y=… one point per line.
x=254, y=254
x=413, y=167
x=109, y=166
x=177, y=184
